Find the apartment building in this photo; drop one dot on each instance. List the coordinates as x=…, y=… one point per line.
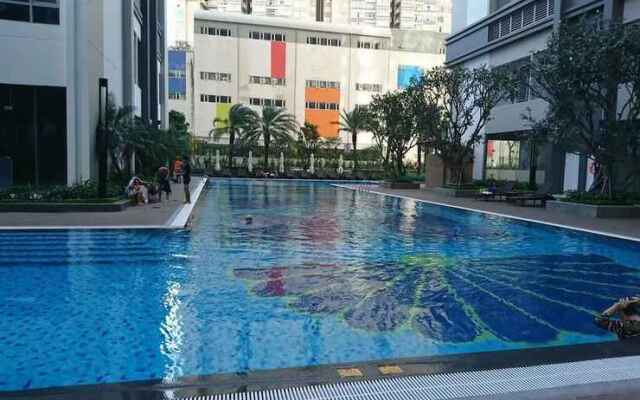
x=505, y=34
x=423, y=15
x=54, y=53
x=312, y=69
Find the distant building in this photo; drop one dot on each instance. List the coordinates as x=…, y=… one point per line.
x=423, y=15
x=180, y=85
x=53, y=54
x=312, y=69
x=505, y=34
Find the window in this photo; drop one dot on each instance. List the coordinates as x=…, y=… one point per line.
x=215, y=76
x=257, y=101
x=368, y=45
x=315, y=105
x=368, y=87
x=177, y=73
x=37, y=11
x=211, y=98
x=266, y=80
x=177, y=96
x=322, y=84
x=213, y=31
x=520, y=18
x=324, y=41
x=278, y=37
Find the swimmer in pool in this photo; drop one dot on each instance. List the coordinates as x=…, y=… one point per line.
x=627, y=323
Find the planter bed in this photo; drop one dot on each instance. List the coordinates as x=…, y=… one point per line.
x=455, y=192
x=16, y=206
x=594, y=211
x=401, y=185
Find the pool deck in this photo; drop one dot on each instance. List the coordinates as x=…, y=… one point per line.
x=628, y=228
x=173, y=214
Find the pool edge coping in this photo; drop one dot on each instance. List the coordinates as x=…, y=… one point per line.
x=493, y=213
x=177, y=220
x=257, y=381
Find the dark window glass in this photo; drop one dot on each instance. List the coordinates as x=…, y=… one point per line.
x=14, y=12
x=140, y=62
x=17, y=139
x=52, y=135
x=33, y=133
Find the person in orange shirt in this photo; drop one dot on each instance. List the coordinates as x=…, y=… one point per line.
x=177, y=170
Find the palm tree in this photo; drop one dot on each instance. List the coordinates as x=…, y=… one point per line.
x=273, y=124
x=354, y=122
x=240, y=118
x=309, y=140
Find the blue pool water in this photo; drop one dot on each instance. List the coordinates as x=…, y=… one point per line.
x=323, y=275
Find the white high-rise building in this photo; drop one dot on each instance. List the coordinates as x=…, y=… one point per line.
x=426, y=15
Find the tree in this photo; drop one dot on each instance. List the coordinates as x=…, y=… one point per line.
x=309, y=142
x=273, y=124
x=240, y=117
x=590, y=77
x=462, y=100
x=119, y=122
x=353, y=122
x=393, y=128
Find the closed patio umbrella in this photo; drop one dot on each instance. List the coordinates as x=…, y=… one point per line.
x=250, y=161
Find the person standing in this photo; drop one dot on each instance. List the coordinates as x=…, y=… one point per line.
x=186, y=178
x=178, y=169
x=163, y=182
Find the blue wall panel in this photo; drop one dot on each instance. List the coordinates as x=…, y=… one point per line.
x=405, y=73
x=178, y=85
x=178, y=60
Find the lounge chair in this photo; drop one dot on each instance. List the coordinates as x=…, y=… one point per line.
x=500, y=193
x=537, y=199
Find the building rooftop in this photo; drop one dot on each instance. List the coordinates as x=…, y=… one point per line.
x=292, y=24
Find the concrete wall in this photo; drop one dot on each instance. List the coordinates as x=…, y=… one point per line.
x=41, y=47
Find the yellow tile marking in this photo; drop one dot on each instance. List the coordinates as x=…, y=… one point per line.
x=350, y=373
x=390, y=369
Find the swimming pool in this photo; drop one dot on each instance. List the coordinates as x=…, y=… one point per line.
x=322, y=275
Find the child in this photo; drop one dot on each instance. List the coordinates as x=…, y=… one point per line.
x=163, y=182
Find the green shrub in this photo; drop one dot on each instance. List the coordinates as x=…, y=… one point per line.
x=58, y=193
x=621, y=199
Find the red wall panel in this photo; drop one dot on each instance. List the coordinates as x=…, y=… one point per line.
x=278, y=60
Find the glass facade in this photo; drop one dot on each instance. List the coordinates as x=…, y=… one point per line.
x=37, y=11
x=33, y=133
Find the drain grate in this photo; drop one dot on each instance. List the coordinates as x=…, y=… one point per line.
x=457, y=385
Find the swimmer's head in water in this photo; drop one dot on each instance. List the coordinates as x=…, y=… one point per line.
x=248, y=219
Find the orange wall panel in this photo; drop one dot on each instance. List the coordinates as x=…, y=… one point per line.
x=326, y=120
x=322, y=95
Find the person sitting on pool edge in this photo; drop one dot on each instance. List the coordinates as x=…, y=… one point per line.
x=628, y=323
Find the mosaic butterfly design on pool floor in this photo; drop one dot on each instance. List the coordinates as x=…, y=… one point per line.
x=526, y=298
